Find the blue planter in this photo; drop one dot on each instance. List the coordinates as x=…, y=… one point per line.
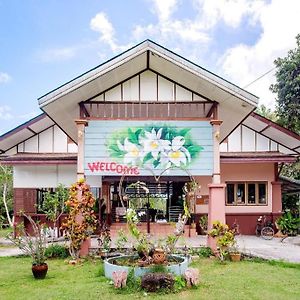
x=177, y=268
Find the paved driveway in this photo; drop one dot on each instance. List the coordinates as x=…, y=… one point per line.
x=288, y=250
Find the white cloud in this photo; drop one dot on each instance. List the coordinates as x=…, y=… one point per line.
x=243, y=64
x=100, y=23
x=5, y=113
x=4, y=77
x=58, y=54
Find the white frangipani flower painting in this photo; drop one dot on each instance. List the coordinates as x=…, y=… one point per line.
x=160, y=147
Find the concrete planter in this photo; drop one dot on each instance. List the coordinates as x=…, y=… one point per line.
x=177, y=269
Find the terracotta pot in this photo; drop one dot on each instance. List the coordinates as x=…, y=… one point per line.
x=235, y=256
x=39, y=271
x=159, y=256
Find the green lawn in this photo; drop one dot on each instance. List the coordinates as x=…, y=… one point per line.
x=244, y=280
x=5, y=232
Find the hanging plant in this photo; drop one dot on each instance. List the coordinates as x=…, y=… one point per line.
x=81, y=220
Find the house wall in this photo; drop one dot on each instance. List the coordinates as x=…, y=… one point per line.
x=149, y=86
x=51, y=140
x=244, y=139
x=39, y=176
x=245, y=215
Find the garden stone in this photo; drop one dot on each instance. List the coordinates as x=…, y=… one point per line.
x=119, y=278
x=153, y=282
x=191, y=276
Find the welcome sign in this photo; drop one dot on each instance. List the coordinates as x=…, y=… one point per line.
x=143, y=148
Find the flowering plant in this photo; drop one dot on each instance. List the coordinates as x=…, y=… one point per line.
x=154, y=146
x=81, y=220
x=33, y=245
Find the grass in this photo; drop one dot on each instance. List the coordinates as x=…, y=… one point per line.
x=4, y=232
x=245, y=280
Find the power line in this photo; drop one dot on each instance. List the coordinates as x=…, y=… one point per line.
x=263, y=75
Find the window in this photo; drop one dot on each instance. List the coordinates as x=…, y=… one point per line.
x=246, y=193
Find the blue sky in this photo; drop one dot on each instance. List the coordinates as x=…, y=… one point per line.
x=44, y=44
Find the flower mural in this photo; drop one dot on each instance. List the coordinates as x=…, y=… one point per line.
x=159, y=147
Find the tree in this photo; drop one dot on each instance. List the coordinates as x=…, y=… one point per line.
x=287, y=88
x=266, y=112
x=53, y=205
x=6, y=193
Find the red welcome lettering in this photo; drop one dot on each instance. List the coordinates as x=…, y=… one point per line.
x=101, y=166
x=93, y=166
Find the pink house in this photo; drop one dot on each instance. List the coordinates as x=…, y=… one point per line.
x=150, y=113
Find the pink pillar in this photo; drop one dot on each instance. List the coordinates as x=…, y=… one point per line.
x=276, y=198
x=84, y=250
x=216, y=204
x=80, y=143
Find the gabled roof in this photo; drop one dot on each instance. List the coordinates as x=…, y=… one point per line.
x=25, y=131
x=61, y=104
x=274, y=131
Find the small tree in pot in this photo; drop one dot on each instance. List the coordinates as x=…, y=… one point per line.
x=33, y=245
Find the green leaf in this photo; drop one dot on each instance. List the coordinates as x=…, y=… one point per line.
x=156, y=163
x=194, y=150
x=147, y=157
x=132, y=137
x=184, y=131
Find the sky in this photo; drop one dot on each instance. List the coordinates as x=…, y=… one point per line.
x=44, y=44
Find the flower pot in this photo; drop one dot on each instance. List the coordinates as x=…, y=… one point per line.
x=159, y=256
x=39, y=271
x=235, y=256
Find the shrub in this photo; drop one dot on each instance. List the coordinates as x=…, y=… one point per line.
x=56, y=251
x=288, y=224
x=205, y=252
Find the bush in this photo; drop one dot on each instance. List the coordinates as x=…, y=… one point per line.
x=288, y=224
x=56, y=251
x=205, y=252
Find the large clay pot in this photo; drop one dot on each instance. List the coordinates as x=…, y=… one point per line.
x=235, y=256
x=159, y=256
x=39, y=271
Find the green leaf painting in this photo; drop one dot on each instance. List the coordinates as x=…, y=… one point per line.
x=153, y=146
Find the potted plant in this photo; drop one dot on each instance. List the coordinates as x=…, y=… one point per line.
x=224, y=238
x=235, y=254
x=203, y=221
x=33, y=245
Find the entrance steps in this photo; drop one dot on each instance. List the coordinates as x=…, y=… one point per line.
x=156, y=229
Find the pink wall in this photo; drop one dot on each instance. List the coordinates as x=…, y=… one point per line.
x=241, y=172
x=249, y=172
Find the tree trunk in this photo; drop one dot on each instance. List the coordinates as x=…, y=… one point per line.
x=5, y=204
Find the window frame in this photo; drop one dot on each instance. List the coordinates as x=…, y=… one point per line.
x=246, y=184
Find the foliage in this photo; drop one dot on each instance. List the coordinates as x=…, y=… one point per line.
x=54, y=203
x=203, y=222
x=287, y=88
x=288, y=224
x=179, y=284
x=6, y=195
x=104, y=240
x=56, y=251
x=224, y=238
x=266, y=112
x=205, y=252
x=158, y=146
x=33, y=245
x=121, y=240
x=292, y=203
x=158, y=269
x=81, y=220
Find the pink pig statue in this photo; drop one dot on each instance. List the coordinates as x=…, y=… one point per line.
x=119, y=278
x=191, y=276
